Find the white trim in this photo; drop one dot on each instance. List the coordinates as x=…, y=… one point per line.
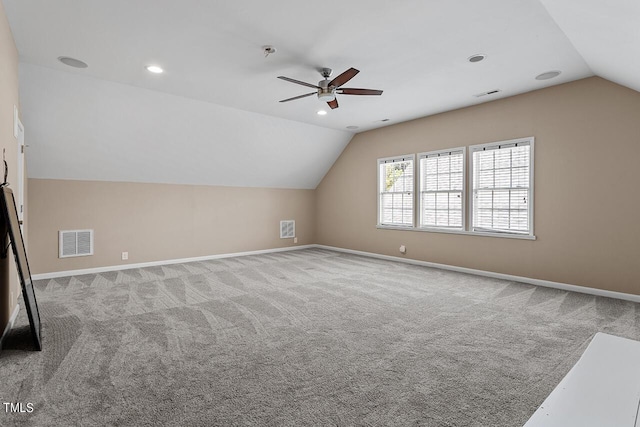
x=16, y=118
x=394, y=159
x=396, y=227
x=56, y=274
x=463, y=232
x=444, y=150
x=479, y=147
x=521, y=279
x=418, y=169
x=495, y=144
x=10, y=323
x=531, y=281
x=21, y=174
x=532, y=157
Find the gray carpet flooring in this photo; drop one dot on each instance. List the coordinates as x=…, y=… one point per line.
x=309, y=337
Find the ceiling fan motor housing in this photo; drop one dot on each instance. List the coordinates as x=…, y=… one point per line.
x=325, y=92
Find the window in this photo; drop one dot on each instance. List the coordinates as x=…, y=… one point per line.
x=395, y=190
x=500, y=203
x=502, y=187
x=442, y=180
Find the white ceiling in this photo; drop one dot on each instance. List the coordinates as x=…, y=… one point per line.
x=605, y=33
x=414, y=50
x=92, y=129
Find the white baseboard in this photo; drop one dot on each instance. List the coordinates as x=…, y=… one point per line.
x=10, y=323
x=56, y=274
x=521, y=279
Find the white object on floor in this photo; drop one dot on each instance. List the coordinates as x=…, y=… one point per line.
x=602, y=389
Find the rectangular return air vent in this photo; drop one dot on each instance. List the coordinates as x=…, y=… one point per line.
x=75, y=243
x=287, y=229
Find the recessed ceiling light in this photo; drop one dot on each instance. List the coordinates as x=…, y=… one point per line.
x=321, y=113
x=154, y=69
x=352, y=127
x=477, y=57
x=72, y=62
x=548, y=75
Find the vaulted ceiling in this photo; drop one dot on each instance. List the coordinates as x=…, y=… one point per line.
x=213, y=116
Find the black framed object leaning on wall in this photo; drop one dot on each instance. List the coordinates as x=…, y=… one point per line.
x=11, y=225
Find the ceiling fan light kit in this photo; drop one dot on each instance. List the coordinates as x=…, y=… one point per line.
x=327, y=90
x=327, y=96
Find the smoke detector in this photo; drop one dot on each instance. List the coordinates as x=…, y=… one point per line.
x=268, y=50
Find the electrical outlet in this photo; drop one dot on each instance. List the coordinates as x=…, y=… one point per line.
x=403, y=249
x=125, y=256
x=295, y=240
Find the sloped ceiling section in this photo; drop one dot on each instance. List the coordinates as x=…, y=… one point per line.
x=213, y=116
x=605, y=33
x=416, y=51
x=91, y=129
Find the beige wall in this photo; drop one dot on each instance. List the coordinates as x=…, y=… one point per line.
x=156, y=222
x=586, y=154
x=9, y=286
x=587, y=204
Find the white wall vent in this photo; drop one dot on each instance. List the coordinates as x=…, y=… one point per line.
x=75, y=243
x=287, y=229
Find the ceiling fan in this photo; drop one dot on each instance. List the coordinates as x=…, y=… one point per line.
x=327, y=90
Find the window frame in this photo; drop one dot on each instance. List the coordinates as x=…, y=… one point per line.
x=499, y=233
x=419, y=191
x=379, y=193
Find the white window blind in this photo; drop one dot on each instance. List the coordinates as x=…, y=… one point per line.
x=502, y=186
x=395, y=189
x=442, y=189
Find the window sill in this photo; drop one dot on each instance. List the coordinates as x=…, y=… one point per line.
x=395, y=227
x=463, y=232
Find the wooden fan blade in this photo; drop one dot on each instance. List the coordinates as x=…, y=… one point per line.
x=298, y=97
x=344, y=77
x=346, y=91
x=298, y=82
x=333, y=104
